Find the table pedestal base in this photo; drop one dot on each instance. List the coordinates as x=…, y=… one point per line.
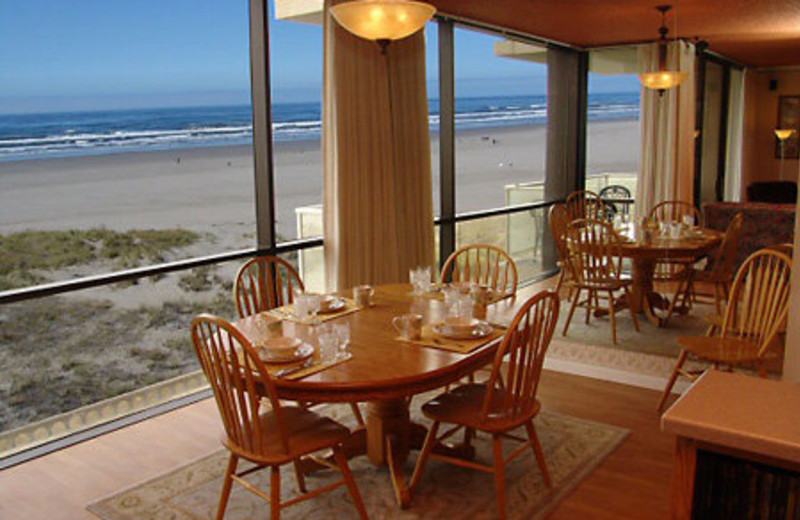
x=387, y=440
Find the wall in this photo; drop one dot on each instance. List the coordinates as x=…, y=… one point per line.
x=761, y=116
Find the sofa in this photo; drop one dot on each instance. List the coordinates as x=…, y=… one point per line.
x=764, y=224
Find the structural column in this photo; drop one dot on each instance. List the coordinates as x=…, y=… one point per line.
x=567, y=79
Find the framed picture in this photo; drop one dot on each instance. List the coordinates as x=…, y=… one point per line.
x=788, y=119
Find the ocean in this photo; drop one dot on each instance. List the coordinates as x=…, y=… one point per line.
x=44, y=135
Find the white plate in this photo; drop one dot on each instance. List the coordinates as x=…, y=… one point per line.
x=330, y=304
x=481, y=330
x=286, y=355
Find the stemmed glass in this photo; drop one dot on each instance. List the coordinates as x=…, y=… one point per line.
x=342, y=331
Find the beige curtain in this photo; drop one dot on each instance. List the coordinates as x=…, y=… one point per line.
x=666, y=168
x=734, y=139
x=378, y=202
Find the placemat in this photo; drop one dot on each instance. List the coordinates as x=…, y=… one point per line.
x=286, y=312
x=461, y=346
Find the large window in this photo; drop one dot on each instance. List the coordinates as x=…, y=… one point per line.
x=125, y=142
x=613, y=129
x=500, y=141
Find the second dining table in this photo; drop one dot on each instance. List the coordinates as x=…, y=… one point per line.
x=645, y=253
x=386, y=372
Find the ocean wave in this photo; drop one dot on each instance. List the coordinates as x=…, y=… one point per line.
x=105, y=132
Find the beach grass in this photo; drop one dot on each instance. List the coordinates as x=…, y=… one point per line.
x=26, y=257
x=62, y=353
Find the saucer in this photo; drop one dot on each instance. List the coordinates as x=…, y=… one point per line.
x=284, y=350
x=481, y=329
x=330, y=304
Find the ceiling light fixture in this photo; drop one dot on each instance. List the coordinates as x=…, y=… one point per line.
x=662, y=79
x=382, y=20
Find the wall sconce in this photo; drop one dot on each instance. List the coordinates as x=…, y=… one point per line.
x=783, y=134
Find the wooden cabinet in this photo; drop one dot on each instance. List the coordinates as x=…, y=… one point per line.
x=745, y=432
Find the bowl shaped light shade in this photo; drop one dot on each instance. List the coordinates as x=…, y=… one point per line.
x=662, y=80
x=382, y=19
x=784, y=133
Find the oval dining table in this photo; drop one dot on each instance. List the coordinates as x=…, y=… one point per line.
x=386, y=372
x=645, y=254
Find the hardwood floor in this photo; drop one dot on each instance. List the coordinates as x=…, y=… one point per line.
x=632, y=483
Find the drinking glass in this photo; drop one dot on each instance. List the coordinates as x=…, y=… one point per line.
x=342, y=331
x=328, y=345
x=420, y=279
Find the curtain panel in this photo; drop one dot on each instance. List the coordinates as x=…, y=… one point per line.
x=378, y=201
x=666, y=167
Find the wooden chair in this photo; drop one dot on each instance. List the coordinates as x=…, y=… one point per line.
x=677, y=269
x=483, y=264
x=270, y=439
x=722, y=270
x=596, y=263
x=264, y=283
x=674, y=211
x=585, y=204
x=503, y=403
x=757, y=307
x=559, y=222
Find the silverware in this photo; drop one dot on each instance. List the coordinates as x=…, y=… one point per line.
x=289, y=371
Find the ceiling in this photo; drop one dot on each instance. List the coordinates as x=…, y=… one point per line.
x=756, y=33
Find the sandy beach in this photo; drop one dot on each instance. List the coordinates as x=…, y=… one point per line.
x=109, y=340
x=210, y=190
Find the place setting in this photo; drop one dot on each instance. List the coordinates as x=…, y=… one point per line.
x=462, y=330
x=309, y=307
x=292, y=358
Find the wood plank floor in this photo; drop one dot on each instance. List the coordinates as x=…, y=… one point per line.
x=632, y=483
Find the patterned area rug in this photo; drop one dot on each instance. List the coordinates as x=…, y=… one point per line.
x=651, y=351
x=573, y=448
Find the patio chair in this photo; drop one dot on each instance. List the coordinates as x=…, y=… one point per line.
x=268, y=439
x=596, y=264
x=614, y=192
x=757, y=307
x=484, y=264
x=506, y=401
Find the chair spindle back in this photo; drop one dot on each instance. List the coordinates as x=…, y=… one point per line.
x=585, y=204
x=523, y=350
x=234, y=371
x=725, y=261
x=484, y=264
x=759, y=298
x=263, y=283
x=594, y=251
x=674, y=211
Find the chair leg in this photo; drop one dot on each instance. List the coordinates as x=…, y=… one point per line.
x=630, y=308
x=347, y=475
x=539, y=453
x=591, y=302
x=226, y=486
x=430, y=440
x=301, y=478
x=571, y=310
x=357, y=413
x=613, y=317
x=275, y=493
x=499, y=477
x=674, y=377
x=559, y=282
x=717, y=303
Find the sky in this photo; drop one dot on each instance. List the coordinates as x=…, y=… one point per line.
x=60, y=55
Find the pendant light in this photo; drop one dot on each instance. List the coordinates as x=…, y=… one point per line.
x=382, y=20
x=662, y=79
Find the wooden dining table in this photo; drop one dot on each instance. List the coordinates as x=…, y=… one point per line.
x=386, y=372
x=645, y=254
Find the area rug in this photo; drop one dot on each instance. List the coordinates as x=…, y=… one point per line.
x=651, y=352
x=573, y=448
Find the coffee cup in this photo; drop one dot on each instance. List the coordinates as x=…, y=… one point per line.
x=408, y=325
x=362, y=295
